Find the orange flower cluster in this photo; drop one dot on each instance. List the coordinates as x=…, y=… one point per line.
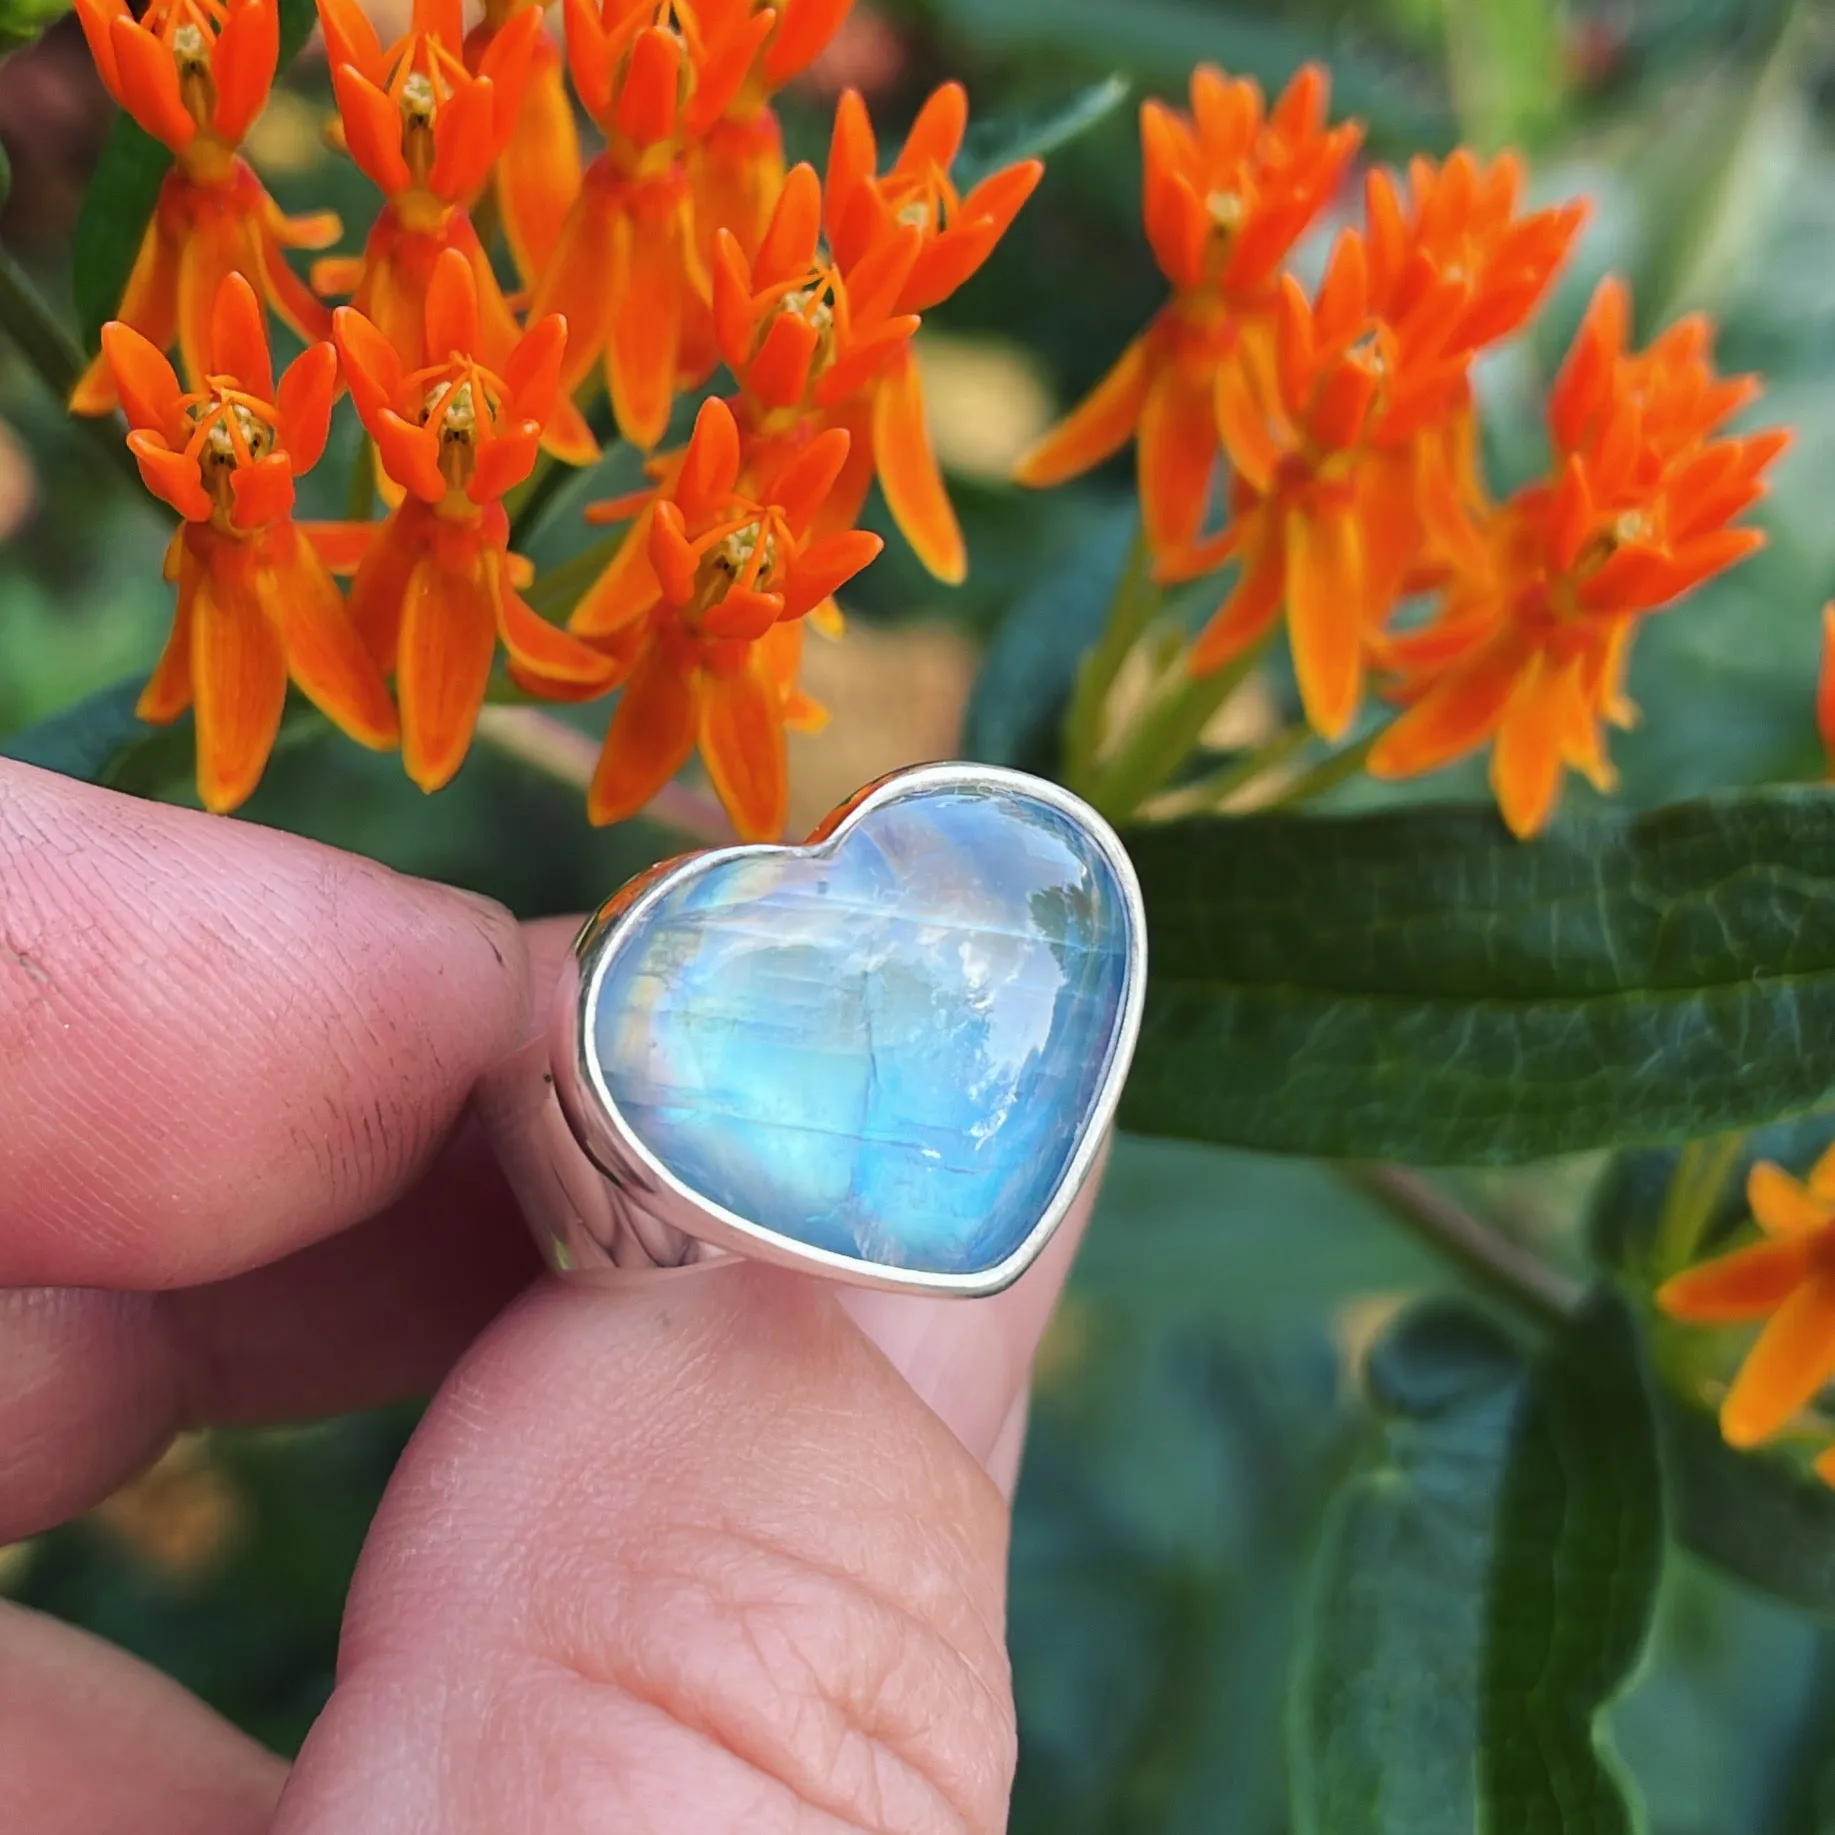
x=1342, y=422
x=684, y=244
x=194, y=74
x=1788, y=1280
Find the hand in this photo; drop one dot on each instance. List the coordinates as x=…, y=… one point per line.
x=721, y=1552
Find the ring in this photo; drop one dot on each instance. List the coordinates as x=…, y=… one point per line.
x=888, y=1056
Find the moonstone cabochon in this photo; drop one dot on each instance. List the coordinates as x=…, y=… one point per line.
x=888, y=1047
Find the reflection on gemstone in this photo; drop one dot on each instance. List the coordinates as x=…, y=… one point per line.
x=887, y=1048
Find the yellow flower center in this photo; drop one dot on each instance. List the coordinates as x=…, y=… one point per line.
x=230, y=429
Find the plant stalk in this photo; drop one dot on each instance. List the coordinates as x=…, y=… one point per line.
x=55, y=356
x=1694, y=1189
x=1502, y=1267
x=1131, y=610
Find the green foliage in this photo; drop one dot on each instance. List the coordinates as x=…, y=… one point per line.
x=1001, y=140
x=21, y=21
x=1418, y=985
x=1485, y=1590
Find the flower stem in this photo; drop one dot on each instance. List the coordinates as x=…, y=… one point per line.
x=1328, y=773
x=1166, y=733
x=1502, y=1267
x=1694, y=1189
x=1206, y=794
x=54, y=354
x=558, y=751
x=1131, y=610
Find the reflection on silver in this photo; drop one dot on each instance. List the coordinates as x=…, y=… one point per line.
x=599, y=1200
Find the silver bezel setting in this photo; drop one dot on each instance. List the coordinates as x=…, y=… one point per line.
x=649, y=1205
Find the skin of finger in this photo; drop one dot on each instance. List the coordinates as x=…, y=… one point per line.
x=687, y=1557
x=219, y=1043
x=971, y=1361
x=94, y=1384
x=94, y=1743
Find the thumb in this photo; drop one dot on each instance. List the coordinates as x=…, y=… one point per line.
x=689, y=1555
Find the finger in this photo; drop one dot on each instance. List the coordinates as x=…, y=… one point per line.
x=93, y=1384
x=93, y=1743
x=219, y=1043
x=686, y=1556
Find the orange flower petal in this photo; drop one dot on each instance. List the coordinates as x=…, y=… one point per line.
x=742, y=745
x=325, y=655
x=936, y=135
x=651, y=91
x=149, y=305
x=710, y=467
x=410, y=455
x=545, y=652
x=303, y=405
x=372, y=366
x=651, y=735
x=1526, y=762
x=825, y=566
x=644, y=328
x=147, y=79
x=503, y=460
x=341, y=545
x=242, y=63
x=804, y=483
x=743, y=612
x=804, y=27
x=908, y=474
x=532, y=375
x=448, y=638
x=372, y=130
x=674, y=559
x=1821, y=1178
x=1176, y=454
x=778, y=374
x=1454, y=717
x=1100, y=424
x=145, y=381
x=379, y=593
x=1325, y=616
x=853, y=159
x=789, y=245
x=1250, y=611
x=262, y=492
x=452, y=308
x=172, y=477
x=168, y=690
x=538, y=171
x=1748, y=1283
x=1793, y=1358
x=239, y=679
x=239, y=337
x=1783, y=1207
x=463, y=141
x=97, y=17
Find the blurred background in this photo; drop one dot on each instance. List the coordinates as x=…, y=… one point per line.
x=1197, y=1398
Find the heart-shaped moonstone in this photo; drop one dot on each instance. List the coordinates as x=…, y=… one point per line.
x=888, y=1046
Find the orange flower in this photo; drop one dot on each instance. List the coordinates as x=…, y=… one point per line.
x=537, y=174
x=959, y=233
x=194, y=74
x=1226, y=193
x=701, y=611
x=679, y=91
x=256, y=603
x=813, y=346
x=425, y=130
x=1789, y=1281
x=1529, y=643
x=436, y=590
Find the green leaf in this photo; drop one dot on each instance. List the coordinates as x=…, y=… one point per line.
x=22, y=21
x=122, y=192
x=1417, y=985
x=1160, y=40
x=85, y=740
x=1031, y=666
x=1484, y=1592
x=992, y=144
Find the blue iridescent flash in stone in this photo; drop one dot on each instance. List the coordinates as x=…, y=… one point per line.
x=888, y=1048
